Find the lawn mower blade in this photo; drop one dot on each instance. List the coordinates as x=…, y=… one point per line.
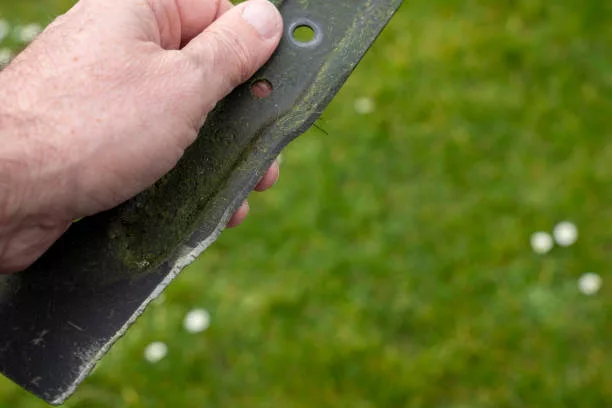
x=62, y=315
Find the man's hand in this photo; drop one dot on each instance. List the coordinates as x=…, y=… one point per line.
x=107, y=99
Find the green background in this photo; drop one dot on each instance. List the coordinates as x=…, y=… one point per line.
x=391, y=266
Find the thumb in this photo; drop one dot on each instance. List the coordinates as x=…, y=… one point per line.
x=236, y=45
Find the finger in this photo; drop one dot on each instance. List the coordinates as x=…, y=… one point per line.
x=179, y=21
x=239, y=215
x=236, y=45
x=196, y=15
x=269, y=179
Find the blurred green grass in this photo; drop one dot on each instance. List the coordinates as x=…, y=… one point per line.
x=391, y=265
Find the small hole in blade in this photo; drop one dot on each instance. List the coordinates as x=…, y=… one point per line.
x=261, y=88
x=303, y=33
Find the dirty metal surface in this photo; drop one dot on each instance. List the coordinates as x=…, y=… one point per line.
x=61, y=315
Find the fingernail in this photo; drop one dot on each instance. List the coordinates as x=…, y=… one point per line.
x=263, y=16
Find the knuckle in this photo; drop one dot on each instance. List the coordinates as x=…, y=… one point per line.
x=231, y=52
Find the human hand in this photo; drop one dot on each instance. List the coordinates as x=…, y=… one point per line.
x=105, y=101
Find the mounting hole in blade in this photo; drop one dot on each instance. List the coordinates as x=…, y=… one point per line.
x=261, y=88
x=304, y=32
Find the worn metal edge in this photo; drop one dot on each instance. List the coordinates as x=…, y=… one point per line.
x=188, y=256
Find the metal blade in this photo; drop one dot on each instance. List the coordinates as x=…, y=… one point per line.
x=63, y=314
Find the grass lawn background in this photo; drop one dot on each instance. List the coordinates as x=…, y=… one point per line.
x=391, y=266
